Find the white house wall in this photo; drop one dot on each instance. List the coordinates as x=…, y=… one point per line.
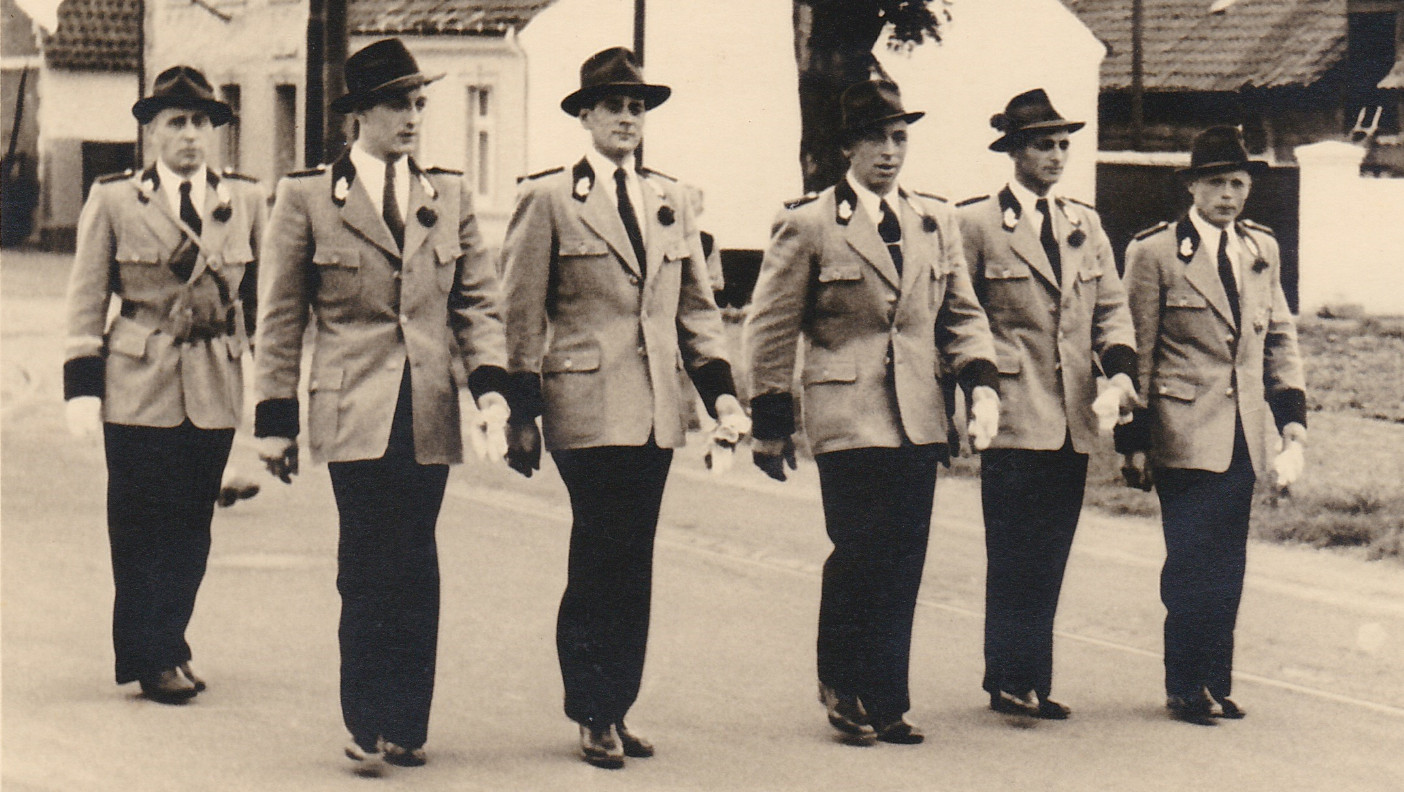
x=75, y=107
x=732, y=126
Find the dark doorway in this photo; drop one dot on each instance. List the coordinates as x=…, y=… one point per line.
x=100, y=159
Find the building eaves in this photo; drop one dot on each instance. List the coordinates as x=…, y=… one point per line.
x=440, y=17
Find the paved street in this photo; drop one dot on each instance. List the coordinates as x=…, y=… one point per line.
x=729, y=690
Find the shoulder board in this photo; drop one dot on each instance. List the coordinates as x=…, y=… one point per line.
x=1155, y=229
x=798, y=202
x=309, y=172
x=230, y=174
x=1080, y=202
x=113, y=177
x=1256, y=226
x=652, y=172
x=975, y=200
x=539, y=174
x=932, y=196
x=444, y=171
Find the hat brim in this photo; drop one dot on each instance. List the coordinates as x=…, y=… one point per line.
x=1252, y=166
x=347, y=103
x=147, y=107
x=870, y=123
x=652, y=95
x=1008, y=140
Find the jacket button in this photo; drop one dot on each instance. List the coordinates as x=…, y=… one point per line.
x=1228, y=392
x=633, y=280
x=569, y=363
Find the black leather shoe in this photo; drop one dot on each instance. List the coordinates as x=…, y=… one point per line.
x=846, y=713
x=600, y=747
x=899, y=732
x=1007, y=703
x=370, y=762
x=194, y=680
x=403, y=757
x=168, y=687
x=1196, y=709
x=635, y=746
x=1048, y=709
x=1229, y=710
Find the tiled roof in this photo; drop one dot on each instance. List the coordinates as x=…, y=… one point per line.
x=95, y=35
x=451, y=17
x=1251, y=43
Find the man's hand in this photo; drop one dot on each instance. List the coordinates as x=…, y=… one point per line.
x=1289, y=464
x=1136, y=471
x=279, y=455
x=487, y=426
x=83, y=414
x=732, y=425
x=771, y=456
x=1113, y=405
x=523, y=447
x=984, y=417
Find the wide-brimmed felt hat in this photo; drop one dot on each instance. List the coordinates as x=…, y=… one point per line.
x=1028, y=113
x=614, y=71
x=379, y=70
x=870, y=103
x=184, y=87
x=1219, y=149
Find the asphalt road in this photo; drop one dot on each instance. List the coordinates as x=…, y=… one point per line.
x=728, y=694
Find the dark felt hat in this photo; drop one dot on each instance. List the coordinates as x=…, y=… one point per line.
x=614, y=71
x=184, y=87
x=1220, y=149
x=872, y=102
x=377, y=71
x=1028, y=113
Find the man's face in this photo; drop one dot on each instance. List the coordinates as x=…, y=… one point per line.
x=390, y=129
x=180, y=138
x=616, y=124
x=875, y=157
x=1219, y=197
x=1039, y=161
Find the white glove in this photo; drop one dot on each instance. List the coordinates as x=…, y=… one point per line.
x=1113, y=405
x=984, y=417
x=487, y=427
x=1289, y=464
x=732, y=425
x=279, y=455
x=83, y=414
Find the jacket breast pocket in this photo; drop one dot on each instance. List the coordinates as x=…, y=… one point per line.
x=1006, y=272
x=582, y=246
x=1185, y=301
x=445, y=266
x=1175, y=390
x=338, y=274
x=822, y=369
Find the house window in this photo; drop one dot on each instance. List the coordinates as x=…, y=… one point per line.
x=233, y=97
x=481, y=138
x=284, y=128
x=1371, y=54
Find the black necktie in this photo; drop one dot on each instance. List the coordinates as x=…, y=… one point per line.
x=631, y=220
x=891, y=232
x=1050, y=243
x=183, y=265
x=1226, y=275
x=390, y=208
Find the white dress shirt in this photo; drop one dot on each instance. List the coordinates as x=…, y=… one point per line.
x=170, y=188
x=1209, y=235
x=1028, y=202
x=604, y=177
x=871, y=201
x=370, y=172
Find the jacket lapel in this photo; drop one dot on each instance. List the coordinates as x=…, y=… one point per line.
x=213, y=230
x=602, y=216
x=156, y=211
x=1024, y=239
x=1202, y=271
x=415, y=231
x=860, y=231
x=357, y=211
x=917, y=254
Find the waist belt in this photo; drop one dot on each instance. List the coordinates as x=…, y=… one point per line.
x=158, y=318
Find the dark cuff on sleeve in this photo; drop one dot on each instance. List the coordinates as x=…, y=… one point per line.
x=488, y=379
x=1134, y=436
x=772, y=416
x=1119, y=359
x=523, y=397
x=976, y=373
x=1288, y=406
x=84, y=377
x=712, y=381
x=276, y=418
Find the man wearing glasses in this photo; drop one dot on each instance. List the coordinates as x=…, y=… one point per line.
x=606, y=291
x=1044, y=273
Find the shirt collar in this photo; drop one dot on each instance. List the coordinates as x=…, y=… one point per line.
x=170, y=180
x=1026, y=197
x=604, y=168
x=1207, y=230
x=871, y=201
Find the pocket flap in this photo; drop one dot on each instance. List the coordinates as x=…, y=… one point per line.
x=326, y=379
x=336, y=257
x=1005, y=272
x=128, y=338
x=676, y=252
x=1089, y=273
x=583, y=246
x=137, y=254
x=1176, y=389
x=574, y=360
x=830, y=369
x=844, y=271
x=1185, y=300
x=447, y=252
x=1008, y=362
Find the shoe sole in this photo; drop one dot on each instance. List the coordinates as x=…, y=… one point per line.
x=607, y=762
x=367, y=766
